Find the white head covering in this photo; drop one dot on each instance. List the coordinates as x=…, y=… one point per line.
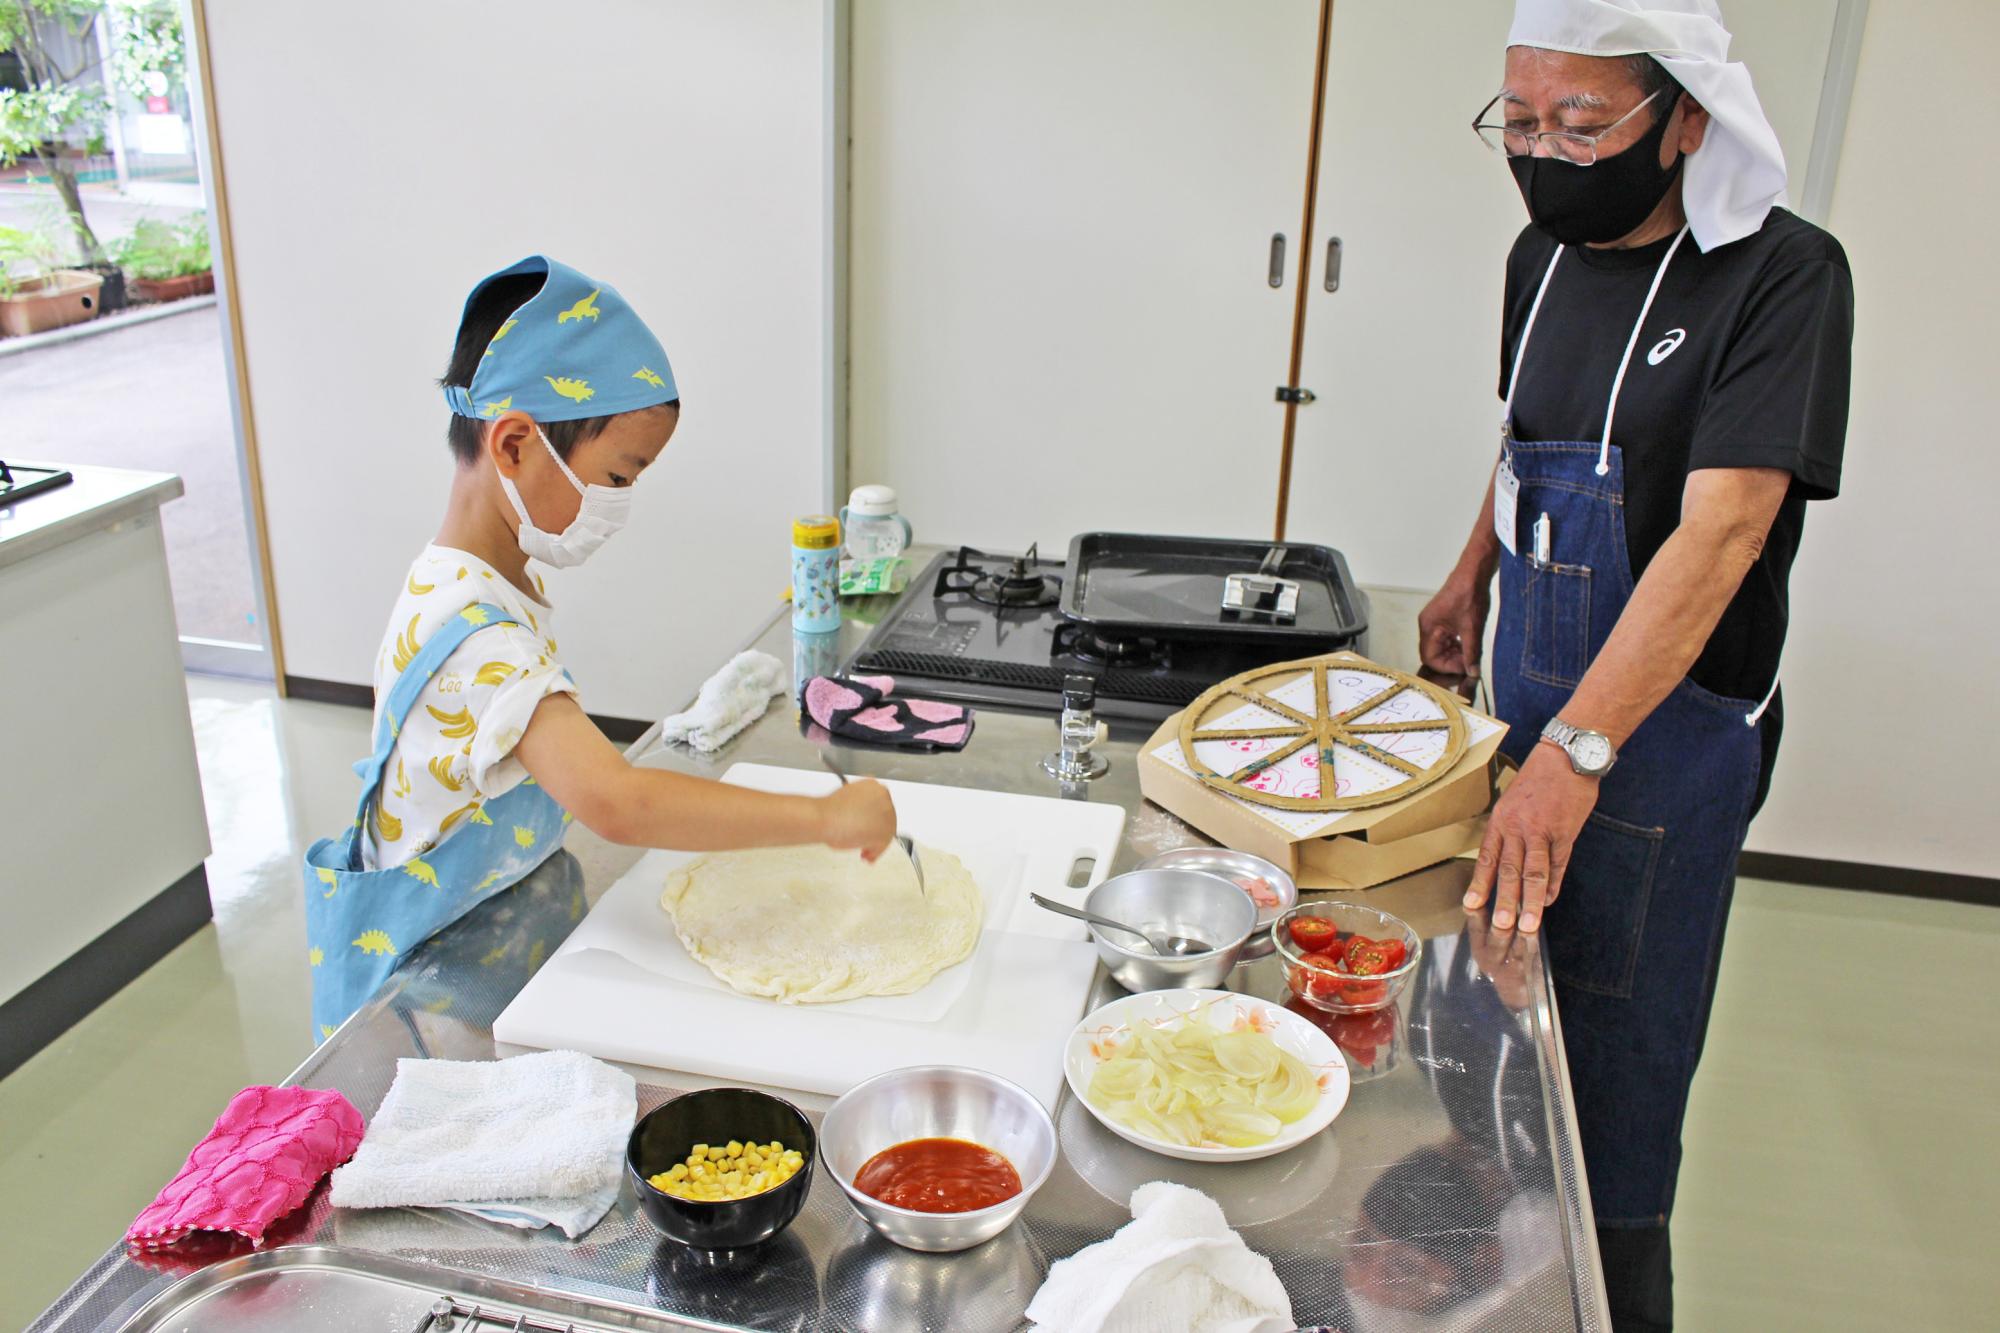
x=1738, y=174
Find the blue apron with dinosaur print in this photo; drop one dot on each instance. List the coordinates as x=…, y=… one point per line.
x=360, y=922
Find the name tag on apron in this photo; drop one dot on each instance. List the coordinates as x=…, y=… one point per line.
x=1506, y=497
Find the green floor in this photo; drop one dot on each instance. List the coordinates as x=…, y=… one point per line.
x=1841, y=1171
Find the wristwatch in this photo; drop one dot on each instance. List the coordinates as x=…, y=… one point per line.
x=1591, y=753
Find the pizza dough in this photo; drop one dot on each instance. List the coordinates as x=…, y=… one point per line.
x=809, y=925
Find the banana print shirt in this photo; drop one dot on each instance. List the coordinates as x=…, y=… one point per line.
x=456, y=751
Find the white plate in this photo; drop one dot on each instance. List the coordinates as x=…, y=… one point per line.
x=1102, y=1029
x=1250, y=1193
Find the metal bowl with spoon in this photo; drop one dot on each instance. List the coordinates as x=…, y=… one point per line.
x=1167, y=946
x=1152, y=918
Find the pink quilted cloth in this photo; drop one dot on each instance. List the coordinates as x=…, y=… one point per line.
x=265, y=1154
x=862, y=708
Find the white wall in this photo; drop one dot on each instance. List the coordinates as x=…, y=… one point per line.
x=1062, y=217
x=1897, y=588
x=383, y=157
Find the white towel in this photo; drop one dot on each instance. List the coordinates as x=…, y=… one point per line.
x=532, y=1141
x=1176, y=1267
x=729, y=701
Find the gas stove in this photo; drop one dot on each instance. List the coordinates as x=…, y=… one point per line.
x=976, y=627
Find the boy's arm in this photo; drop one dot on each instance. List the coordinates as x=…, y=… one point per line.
x=648, y=807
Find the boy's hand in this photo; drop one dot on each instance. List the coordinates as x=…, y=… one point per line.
x=859, y=815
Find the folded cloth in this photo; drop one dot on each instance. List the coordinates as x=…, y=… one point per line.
x=264, y=1155
x=859, y=708
x=1176, y=1267
x=532, y=1141
x=728, y=701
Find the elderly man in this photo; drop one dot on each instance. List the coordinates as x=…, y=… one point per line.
x=1674, y=378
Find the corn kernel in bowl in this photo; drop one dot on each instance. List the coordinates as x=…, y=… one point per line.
x=720, y=1172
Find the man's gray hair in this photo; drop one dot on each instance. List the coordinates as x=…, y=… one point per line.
x=1652, y=76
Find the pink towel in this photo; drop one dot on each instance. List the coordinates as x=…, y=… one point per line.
x=265, y=1154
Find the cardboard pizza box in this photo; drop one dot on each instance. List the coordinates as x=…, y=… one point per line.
x=1368, y=846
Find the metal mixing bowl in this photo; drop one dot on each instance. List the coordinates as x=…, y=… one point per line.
x=938, y=1102
x=1236, y=866
x=1196, y=904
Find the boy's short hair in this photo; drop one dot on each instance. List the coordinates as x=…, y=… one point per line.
x=490, y=308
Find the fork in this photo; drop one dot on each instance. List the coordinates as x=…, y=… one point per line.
x=902, y=840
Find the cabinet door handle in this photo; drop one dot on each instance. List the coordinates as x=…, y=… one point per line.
x=1333, y=263
x=1277, y=277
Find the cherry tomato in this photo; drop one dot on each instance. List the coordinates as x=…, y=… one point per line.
x=1313, y=933
x=1399, y=953
x=1318, y=975
x=1370, y=960
x=1353, y=944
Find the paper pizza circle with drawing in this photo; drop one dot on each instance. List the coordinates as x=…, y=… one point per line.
x=1302, y=743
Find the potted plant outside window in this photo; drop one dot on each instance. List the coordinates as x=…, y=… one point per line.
x=168, y=262
x=35, y=296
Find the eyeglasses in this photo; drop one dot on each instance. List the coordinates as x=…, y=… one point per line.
x=1576, y=149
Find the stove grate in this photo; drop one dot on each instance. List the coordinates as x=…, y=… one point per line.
x=1110, y=684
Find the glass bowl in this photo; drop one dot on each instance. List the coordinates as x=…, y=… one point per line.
x=1341, y=993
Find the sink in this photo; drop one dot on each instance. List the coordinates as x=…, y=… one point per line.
x=328, y=1289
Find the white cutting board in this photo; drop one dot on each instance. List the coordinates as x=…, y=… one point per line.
x=622, y=987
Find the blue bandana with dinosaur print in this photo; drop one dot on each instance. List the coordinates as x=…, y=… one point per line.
x=573, y=350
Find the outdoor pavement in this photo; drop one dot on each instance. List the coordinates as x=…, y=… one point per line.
x=110, y=214
x=153, y=396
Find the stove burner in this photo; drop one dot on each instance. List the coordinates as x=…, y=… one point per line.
x=1099, y=648
x=1018, y=586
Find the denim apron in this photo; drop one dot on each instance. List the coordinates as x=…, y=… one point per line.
x=1634, y=940
x=360, y=922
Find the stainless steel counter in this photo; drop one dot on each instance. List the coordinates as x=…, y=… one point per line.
x=1448, y=1195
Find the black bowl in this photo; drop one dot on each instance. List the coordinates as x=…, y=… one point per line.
x=716, y=1115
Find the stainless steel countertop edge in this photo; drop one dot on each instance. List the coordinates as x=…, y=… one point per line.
x=1593, y=1311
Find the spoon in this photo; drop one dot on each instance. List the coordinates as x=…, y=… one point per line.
x=1167, y=946
x=909, y=848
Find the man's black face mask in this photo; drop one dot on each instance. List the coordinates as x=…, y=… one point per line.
x=1591, y=205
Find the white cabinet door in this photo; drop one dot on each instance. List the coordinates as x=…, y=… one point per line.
x=1391, y=460
x=1061, y=222
x=383, y=157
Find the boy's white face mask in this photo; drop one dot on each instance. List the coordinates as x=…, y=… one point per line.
x=604, y=511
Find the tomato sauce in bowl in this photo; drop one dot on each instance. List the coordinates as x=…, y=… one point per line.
x=938, y=1176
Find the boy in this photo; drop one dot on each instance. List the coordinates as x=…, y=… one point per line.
x=561, y=397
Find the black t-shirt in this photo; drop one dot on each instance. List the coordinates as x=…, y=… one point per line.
x=1743, y=362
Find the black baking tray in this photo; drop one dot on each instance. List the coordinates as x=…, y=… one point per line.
x=1133, y=584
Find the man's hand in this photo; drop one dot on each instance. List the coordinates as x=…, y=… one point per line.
x=1529, y=837
x=1453, y=625
x=858, y=815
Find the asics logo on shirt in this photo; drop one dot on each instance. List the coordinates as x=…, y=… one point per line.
x=1665, y=347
